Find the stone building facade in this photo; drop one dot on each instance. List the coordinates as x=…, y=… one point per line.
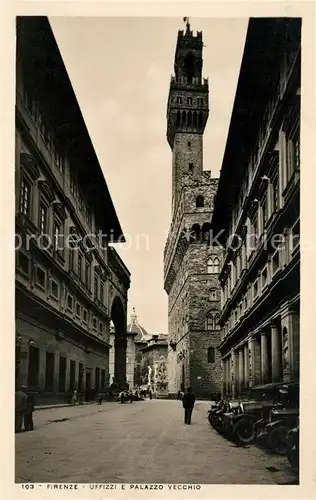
x=154, y=363
x=69, y=281
x=191, y=264
x=140, y=340
x=260, y=273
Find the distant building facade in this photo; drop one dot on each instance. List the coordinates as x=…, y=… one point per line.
x=66, y=293
x=257, y=212
x=191, y=265
x=154, y=364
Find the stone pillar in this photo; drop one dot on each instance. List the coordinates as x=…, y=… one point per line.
x=264, y=358
x=246, y=365
x=233, y=363
x=290, y=344
x=42, y=369
x=56, y=372
x=275, y=353
x=255, y=362
x=241, y=369
x=67, y=378
x=23, y=361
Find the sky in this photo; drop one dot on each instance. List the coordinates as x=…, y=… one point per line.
x=120, y=70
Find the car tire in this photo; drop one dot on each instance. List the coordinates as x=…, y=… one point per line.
x=278, y=440
x=244, y=431
x=293, y=454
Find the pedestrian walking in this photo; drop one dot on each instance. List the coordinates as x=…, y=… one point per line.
x=74, y=397
x=131, y=397
x=122, y=397
x=28, y=414
x=188, y=401
x=20, y=407
x=150, y=395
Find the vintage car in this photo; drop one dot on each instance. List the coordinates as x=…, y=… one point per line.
x=293, y=446
x=275, y=432
x=217, y=414
x=254, y=413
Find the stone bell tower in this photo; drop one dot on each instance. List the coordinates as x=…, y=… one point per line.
x=187, y=110
x=190, y=278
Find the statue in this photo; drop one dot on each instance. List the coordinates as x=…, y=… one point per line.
x=149, y=374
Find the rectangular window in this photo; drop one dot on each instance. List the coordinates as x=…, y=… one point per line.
x=96, y=287
x=189, y=144
x=275, y=193
x=200, y=101
x=85, y=316
x=55, y=289
x=179, y=100
x=211, y=355
x=101, y=292
x=264, y=207
x=264, y=277
x=25, y=197
x=40, y=277
x=80, y=266
x=94, y=324
x=101, y=328
x=255, y=289
x=78, y=310
x=88, y=275
x=70, y=303
x=275, y=262
x=58, y=238
x=189, y=100
x=71, y=259
x=23, y=263
x=43, y=218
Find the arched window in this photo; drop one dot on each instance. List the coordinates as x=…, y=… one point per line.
x=196, y=232
x=211, y=355
x=212, y=319
x=213, y=265
x=206, y=232
x=199, y=202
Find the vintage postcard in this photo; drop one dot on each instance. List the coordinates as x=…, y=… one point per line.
x=156, y=169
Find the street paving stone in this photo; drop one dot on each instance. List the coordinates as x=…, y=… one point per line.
x=143, y=442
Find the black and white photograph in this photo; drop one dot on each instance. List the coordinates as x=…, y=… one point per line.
x=157, y=252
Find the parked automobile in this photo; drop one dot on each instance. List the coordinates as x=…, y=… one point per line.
x=293, y=446
x=275, y=433
x=263, y=406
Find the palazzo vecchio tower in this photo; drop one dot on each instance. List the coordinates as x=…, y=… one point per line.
x=191, y=265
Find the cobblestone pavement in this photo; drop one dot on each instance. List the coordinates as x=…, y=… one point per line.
x=143, y=442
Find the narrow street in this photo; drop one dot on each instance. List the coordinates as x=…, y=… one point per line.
x=146, y=442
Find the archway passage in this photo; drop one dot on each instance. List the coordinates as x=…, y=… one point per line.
x=120, y=343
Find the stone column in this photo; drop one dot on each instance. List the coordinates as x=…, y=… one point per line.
x=241, y=369
x=56, y=372
x=234, y=387
x=42, y=369
x=264, y=358
x=275, y=353
x=255, y=376
x=246, y=365
x=67, y=378
x=24, y=361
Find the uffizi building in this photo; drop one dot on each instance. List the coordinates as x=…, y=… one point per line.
x=66, y=294
x=257, y=205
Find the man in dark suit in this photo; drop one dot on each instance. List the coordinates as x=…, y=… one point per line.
x=188, y=401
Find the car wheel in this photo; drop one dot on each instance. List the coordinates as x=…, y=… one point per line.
x=278, y=440
x=244, y=431
x=293, y=454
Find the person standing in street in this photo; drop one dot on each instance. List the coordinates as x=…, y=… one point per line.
x=20, y=407
x=28, y=415
x=188, y=401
